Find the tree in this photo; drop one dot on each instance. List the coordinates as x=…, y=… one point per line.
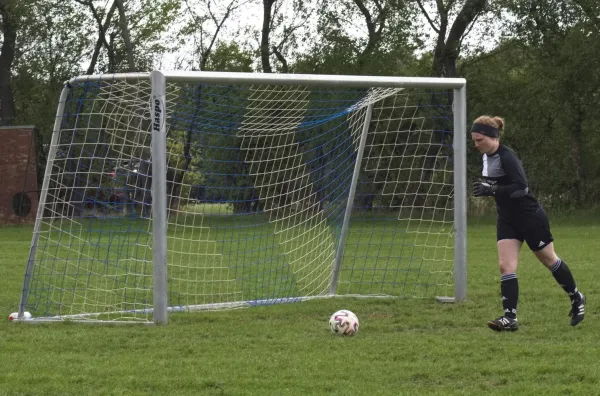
x=264, y=38
x=544, y=81
x=285, y=28
x=375, y=37
x=52, y=44
x=9, y=23
x=131, y=42
x=125, y=34
x=375, y=25
x=102, y=27
x=591, y=10
x=230, y=57
x=177, y=177
x=102, y=30
x=209, y=38
x=448, y=42
x=445, y=55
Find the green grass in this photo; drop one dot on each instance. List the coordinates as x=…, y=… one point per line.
x=404, y=346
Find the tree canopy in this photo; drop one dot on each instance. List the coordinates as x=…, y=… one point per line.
x=536, y=63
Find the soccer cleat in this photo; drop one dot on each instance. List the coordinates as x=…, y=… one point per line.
x=577, y=309
x=504, y=323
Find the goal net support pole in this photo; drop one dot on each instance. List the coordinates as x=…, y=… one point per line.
x=159, y=196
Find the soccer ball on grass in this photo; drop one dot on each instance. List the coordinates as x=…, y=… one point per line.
x=343, y=323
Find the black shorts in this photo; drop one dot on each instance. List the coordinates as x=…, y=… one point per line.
x=533, y=229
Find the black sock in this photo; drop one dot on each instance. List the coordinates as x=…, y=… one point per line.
x=509, y=287
x=564, y=277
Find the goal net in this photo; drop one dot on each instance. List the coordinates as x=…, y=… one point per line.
x=185, y=191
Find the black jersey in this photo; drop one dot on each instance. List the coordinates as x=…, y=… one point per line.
x=513, y=199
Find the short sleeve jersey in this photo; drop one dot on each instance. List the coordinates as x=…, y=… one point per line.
x=505, y=169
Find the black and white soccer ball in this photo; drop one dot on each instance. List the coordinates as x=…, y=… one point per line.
x=344, y=323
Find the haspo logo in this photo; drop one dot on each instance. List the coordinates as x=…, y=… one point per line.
x=157, y=115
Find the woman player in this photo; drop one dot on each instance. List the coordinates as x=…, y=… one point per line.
x=520, y=218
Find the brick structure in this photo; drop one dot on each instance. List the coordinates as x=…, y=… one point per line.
x=18, y=175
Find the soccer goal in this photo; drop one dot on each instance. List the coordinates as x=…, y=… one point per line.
x=182, y=191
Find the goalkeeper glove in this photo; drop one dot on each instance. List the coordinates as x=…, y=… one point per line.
x=483, y=189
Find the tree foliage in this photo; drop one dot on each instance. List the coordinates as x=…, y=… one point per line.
x=534, y=62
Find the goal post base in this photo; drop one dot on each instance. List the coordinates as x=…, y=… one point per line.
x=445, y=299
x=87, y=321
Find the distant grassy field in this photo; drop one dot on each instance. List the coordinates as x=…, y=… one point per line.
x=404, y=346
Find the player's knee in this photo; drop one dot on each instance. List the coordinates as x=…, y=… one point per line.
x=546, y=256
x=508, y=266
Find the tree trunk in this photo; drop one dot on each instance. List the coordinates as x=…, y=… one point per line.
x=218, y=24
x=7, y=55
x=266, y=31
x=281, y=58
x=125, y=34
x=444, y=65
x=374, y=27
x=437, y=68
x=101, y=38
x=447, y=49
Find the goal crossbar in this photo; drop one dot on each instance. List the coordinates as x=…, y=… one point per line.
x=212, y=77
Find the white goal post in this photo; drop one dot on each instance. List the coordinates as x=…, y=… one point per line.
x=180, y=191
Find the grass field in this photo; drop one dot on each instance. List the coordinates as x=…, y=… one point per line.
x=404, y=346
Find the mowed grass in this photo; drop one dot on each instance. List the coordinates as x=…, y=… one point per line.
x=404, y=346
